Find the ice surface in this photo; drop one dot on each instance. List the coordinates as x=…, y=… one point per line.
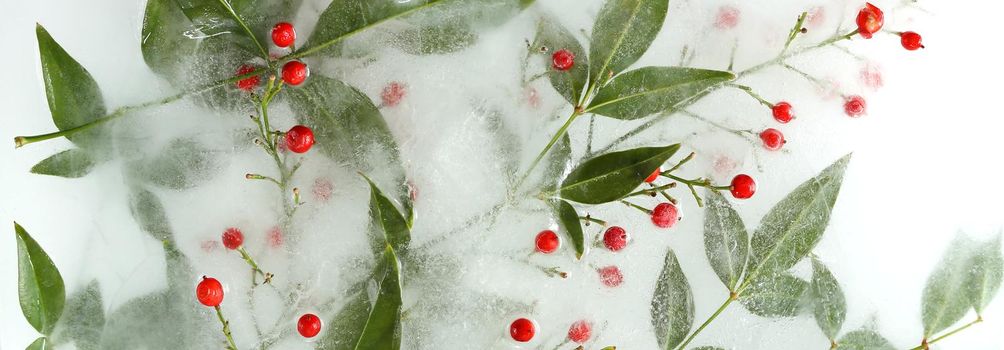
x=465, y=128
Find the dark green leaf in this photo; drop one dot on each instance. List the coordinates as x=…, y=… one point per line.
x=344, y=330
x=183, y=164
x=726, y=242
x=435, y=39
x=572, y=82
x=796, y=224
x=73, y=95
x=985, y=274
x=163, y=321
x=611, y=176
x=453, y=25
x=388, y=225
x=828, y=299
x=343, y=18
x=72, y=163
x=350, y=129
x=166, y=38
x=623, y=31
x=864, y=339
x=672, y=305
x=42, y=343
x=944, y=300
x=39, y=285
x=645, y=91
x=83, y=319
x=776, y=295
x=149, y=213
x=572, y=227
x=383, y=327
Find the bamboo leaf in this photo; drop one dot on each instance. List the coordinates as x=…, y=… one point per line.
x=645, y=91
x=71, y=163
x=571, y=83
x=39, y=285
x=726, y=242
x=623, y=31
x=572, y=227
x=74, y=97
x=830, y=307
x=383, y=327
x=388, y=225
x=611, y=176
x=672, y=305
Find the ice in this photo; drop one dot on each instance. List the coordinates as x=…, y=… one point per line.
x=925, y=166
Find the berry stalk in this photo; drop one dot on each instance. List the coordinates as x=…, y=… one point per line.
x=226, y=328
x=707, y=322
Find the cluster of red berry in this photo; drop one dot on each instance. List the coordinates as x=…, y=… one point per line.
x=524, y=329
x=209, y=292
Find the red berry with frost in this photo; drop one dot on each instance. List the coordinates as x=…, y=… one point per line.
x=781, y=112
x=249, y=83
x=728, y=17
x=855, y=106
x=522, y=330
x=209, y=292
x=611, y=276
x=580, y=331
x=309, y=325
x=299, y=139
x=654, y=176
x=563, y=60
x=294, y=72
x=283, y=34
x=665, y=215
x=742, y=187
x=911, y=41
x=547, y=242
x=274, y=237
x=870, y=20
x=615, y=238
x=233, y=238
x=772, y=139
x=392, y=94
x=322, y=189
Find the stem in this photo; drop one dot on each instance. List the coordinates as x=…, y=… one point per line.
x=754, y=95
x=589, y=219
x=795, y=31
x=704, y=325
x=561, y=132
x=254, y=265
x=946, y=335
x=240, y=21
x=651, y=191
x=226, y=329
x=641, y=208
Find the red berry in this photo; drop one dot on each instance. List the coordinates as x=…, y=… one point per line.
x=294, y=72
x=322, y=189
x=563, y=60
x=728, y=17
x=309, y=325
x=665, y=215
x=299, y=139
x=233, y=238
x=911, y=41
x=611, y=276
x=283, y=34
x=654, y=176
x=247, y=84
x=580, y=331
x=870, y=20
x=392, y=94
x=772, y=139
x=615, y=238
x=209, y=292
x=547, y=242
x=742, y=186
x=782, y=112
x=855, y=106
x=274, y=237
x=522, y=330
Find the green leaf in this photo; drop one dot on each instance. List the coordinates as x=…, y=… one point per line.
x=777, y=295
x=726, y=242
x=350, y=129
x=73, y=95
x=708, y=348
x=39, y=285
x=611, y=176
x=795, y=225
x=388, y=225
x=830, y=308
x=71, y=163
x=165, y=321
x=165, y=37
x=42, y=343
x=344, y=330
x=572, y=227
x=864, y=339
x=343, y=18
x=183, y=164
x=984, y=278
x=571, y=83
x=945, y=300
x=453, y=25
x=672, y=304
x=149, y=213
x=645, y=91
x=383, y=327
x=83, y=319
x=623, y=31
x=555, y=163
